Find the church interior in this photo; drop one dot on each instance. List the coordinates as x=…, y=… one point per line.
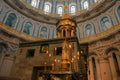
x=59, y=39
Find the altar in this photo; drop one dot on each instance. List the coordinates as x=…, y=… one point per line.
x=60, y=76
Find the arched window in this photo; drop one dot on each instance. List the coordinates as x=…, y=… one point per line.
x=72, y=9
x=95, y=1
x=43, y=32
x=47, y=7
x=28, y=27
x=35, y=3
x=105, y=23
x=60, y=10
x=85, y=5
x=88, y=30
x=11, y=20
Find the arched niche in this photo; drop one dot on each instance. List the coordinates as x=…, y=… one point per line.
x=28, y=28
x=105, y=23
x=43, y=32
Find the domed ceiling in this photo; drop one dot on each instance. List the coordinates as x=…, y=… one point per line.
x=50, y=11
x=58, y=6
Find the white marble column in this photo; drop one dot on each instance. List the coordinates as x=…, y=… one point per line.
x=91, y=70
x=98, y=69
x=112, y=66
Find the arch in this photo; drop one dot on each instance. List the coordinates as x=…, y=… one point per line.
x=85, y=4
x=28, y=27
x=60, y=9
x=105, y=23
x=107, y=51
x=35, y=3
x=89, y=30
x=43, y=32
x=47, y=7
x=72, y=8
x=11, y=19
x=92, y=54
x=95, y=1
x=118, y=10
x=117, y=13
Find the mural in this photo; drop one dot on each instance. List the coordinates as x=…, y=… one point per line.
x=43, y=32
x=11, y=20
x=105, y=23
x=28, y=27
x=88, y=30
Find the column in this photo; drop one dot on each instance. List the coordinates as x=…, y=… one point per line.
x=42, y=4
x=61, y=34
x=54, y=7
x=66, y=33
x=112, y=66
x=105, y=69
x=7, y=66
x=2, y=58
x=91, y=70
x=98, y=69
x=78, y=5
x=118, y=60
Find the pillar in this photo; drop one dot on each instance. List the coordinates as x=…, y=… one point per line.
x=42, y=4
x=6, y=66
x=112, y=66
x=118, y=59
x=78, y=5
x=105, y=69
x=98, y=69
x=54, y=7
x=91, y=70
